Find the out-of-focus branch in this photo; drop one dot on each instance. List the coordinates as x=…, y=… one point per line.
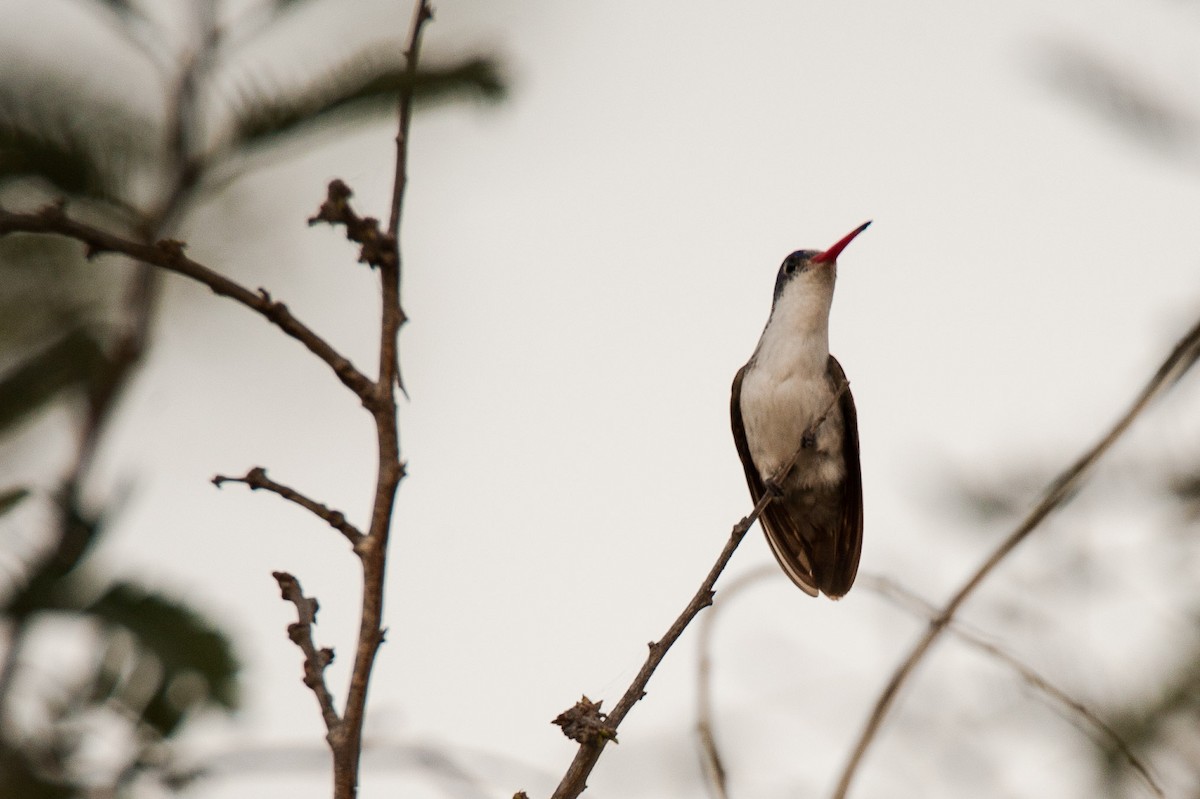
x=257, y=479
x=1182, y=358
x=601, y=728
x=168, y=254
x=904, y=598
x=710, y=753
x=315, y=660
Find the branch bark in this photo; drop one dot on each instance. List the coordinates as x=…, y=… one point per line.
x=257, y=479
x=1180, y=360
x=373, y=549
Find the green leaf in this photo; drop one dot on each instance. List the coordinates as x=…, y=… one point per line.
x=10, y=498
x=75, y=359
x=198, y=664
x=360, y=88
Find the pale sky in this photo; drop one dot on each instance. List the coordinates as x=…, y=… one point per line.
x=586, y=266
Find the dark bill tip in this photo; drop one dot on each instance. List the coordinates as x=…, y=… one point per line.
x=830, y=255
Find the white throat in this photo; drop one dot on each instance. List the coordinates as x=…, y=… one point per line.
x=795, y=341
x=786, y=387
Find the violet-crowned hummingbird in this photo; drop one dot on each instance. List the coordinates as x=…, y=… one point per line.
x=814, y=522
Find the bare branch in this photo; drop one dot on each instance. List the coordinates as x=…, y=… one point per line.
x=904, y=598
x=168, y=254
x=574, y=782
x=257, y=479
x=1182, y=358
x=421, y=14
x=315, y=660
x=382, y=404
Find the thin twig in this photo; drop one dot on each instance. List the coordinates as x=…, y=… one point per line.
x=168, y=254
x=710, y=753
x=257, y=479
x=422, y=13
x=315, y=660
x=1182, y=358
x=574, y=782
x=903, y=597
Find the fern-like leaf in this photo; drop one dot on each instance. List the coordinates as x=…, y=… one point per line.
x=361, y=87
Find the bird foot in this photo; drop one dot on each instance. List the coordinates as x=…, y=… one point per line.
x=773, y=488
x=808, y=440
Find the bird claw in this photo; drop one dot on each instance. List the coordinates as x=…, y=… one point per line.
x=773, y=488
x=808, y=440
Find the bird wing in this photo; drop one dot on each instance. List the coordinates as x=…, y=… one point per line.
x=848, y=537
x=789, y=546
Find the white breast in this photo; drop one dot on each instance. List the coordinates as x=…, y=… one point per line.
x=776, y=411
x=787, y=388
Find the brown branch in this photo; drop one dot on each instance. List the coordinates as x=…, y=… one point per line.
x=372, y=551
x=422, y=13
x=574, y=782
x=315, y=660
x=1182, y=358
x=257, y=479
x=902, y=597
x=168, y=254
x=378, y=248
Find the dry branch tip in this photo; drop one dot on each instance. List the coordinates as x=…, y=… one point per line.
x=378, y=247
x=585, y=724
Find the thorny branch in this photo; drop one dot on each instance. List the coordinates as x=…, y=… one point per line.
x=574, y=782
x=383, y=252
x=257, y=479
x=1181, y=359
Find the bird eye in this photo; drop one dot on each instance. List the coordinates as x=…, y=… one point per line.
x=790, y=266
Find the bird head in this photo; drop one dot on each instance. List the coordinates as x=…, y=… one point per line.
x=812, y=271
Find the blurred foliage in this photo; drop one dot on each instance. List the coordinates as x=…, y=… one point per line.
x=361, y=88
x=72, y=335
x=1163, y=724
x=1124, y=100
x=76, y=359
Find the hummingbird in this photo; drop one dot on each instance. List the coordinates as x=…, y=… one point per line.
x=814, y=521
